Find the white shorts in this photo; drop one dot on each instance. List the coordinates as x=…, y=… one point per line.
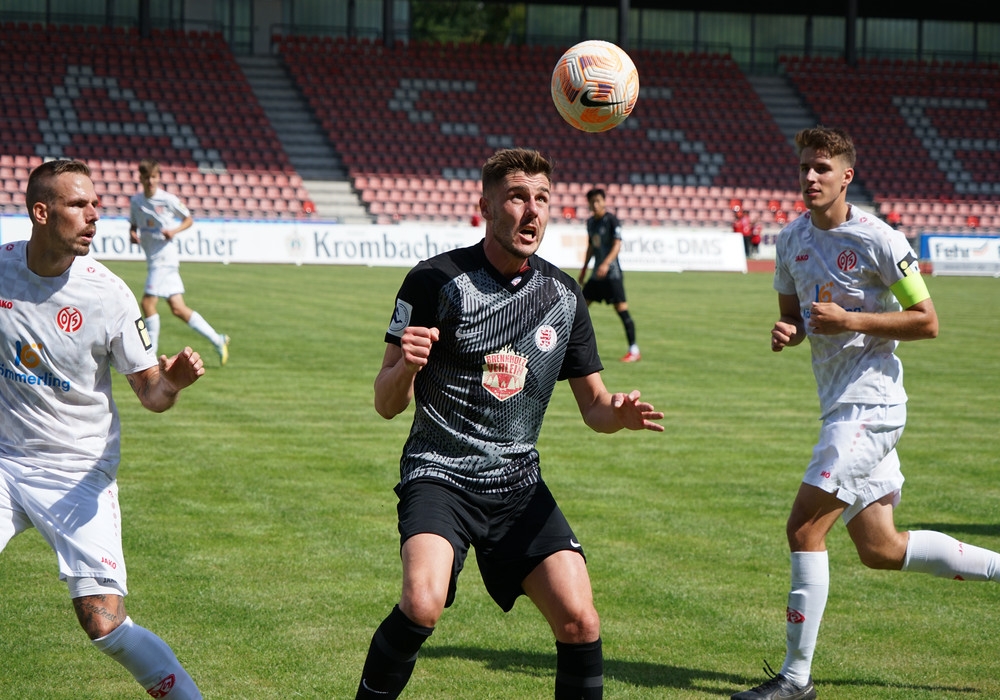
x=77, y=513
x=855, y=457
x=163, y=281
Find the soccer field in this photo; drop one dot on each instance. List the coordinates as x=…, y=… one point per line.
x=259, y=518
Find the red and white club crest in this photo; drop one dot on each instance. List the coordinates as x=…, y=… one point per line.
x=847, y=260
x=161, y=689
x=545, y=338
x=69, y=319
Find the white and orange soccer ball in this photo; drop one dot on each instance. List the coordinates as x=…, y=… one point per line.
x=595, y=85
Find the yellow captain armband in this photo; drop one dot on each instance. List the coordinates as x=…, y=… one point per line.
x=911, y=289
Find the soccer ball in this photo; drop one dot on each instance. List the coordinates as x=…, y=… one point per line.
x=595, y=86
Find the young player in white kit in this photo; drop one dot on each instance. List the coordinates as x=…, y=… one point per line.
x=155, y=218
x=65, y=320
x=851, y=284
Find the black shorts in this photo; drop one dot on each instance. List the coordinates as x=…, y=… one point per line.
x=512, y=532
x=611, y=291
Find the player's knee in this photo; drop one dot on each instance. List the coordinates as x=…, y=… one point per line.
x=583, y=627
x=99, y=615
x=800, y=536
x=883, y=556
x=422, y=607
x=99, y=604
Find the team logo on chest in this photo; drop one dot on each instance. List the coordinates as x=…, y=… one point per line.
x=504, y=373
x=847, y=260
x=69, y=319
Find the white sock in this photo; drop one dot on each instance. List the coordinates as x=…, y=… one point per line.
x=153, y=328
x=935, y=553
x=150, y=661
x=806, y=603
x=634, y=349
x=201, y=325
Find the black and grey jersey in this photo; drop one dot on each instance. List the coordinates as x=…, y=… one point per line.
x=601, y=235
x=504, y=343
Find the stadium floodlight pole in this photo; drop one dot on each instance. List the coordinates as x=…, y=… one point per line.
x=851, y=34
x=388, y=35
x=623, y=10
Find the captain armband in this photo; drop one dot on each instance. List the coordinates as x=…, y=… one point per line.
x=911, y=289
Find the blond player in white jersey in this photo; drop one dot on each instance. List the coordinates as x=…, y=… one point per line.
x=155, y=218
x=851, y=284
x=65, y=321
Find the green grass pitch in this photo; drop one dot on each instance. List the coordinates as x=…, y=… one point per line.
x=260, y=519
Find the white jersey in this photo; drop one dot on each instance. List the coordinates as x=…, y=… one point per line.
x=150, y=215
x=852, y=265
x=59, y=337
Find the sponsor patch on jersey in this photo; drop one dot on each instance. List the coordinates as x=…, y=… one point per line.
x=504, y=373
x=545, y=338
x=400, y=318
x=140, y=325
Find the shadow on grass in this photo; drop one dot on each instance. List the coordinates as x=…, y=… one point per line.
x=649, y=675
x=974, y=529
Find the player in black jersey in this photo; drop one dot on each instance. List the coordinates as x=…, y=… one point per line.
x=478, y=338
x=607, y=282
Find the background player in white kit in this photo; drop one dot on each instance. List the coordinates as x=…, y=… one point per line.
x=851, y=284
x=155, y=217
x=65, y=320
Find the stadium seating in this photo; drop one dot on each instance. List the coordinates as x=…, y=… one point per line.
x=110, y=98
x=418, y=120
x=928, y=134
x=414, y=123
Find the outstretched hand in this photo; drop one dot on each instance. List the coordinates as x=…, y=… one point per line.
x=635, y=414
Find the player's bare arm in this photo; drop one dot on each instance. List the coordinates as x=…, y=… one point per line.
x=918, y=322
x=158, y=387
x=400, y=364
x=605, y=412
x=184, y=226
x=790, y=328
x=602, y=270
x=586, y=264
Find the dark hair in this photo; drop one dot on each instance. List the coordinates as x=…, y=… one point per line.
x=595, y=192
x=513, y=160
x=40, y=180
x=833, y=142
x=147, y=166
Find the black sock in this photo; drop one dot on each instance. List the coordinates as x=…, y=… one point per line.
x=629, y=324
x=579, y=671
x=391, y=656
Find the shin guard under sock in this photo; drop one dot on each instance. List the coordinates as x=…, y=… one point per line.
x=150, y=661
x=579, y=671
x=391, y=656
